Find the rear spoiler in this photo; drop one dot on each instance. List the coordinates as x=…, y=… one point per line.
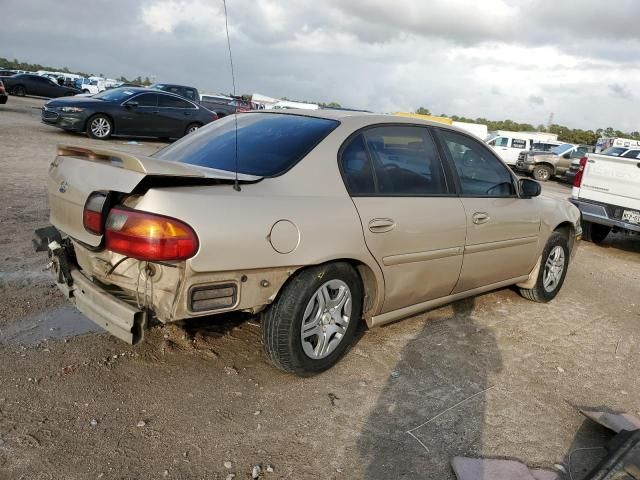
x=149, y=165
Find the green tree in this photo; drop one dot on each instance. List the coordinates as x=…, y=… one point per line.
x=423, y=111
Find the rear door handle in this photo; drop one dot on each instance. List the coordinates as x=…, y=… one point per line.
x=381, y=225
x=480, y=217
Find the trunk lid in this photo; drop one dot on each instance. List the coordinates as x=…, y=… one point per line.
x=611, y=180
x=78, y=171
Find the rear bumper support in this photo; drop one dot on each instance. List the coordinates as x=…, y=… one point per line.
x=115, y=316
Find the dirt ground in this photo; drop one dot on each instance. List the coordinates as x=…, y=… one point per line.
x=496, y=375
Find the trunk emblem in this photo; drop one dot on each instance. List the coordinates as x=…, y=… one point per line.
x=63, y=186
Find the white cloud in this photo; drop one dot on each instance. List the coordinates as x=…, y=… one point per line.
x=518, y=59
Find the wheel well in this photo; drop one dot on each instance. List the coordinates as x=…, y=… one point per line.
x=367, y=277
x=113, y=124
x=568, y=231
x=544, y=164
x=17, y=86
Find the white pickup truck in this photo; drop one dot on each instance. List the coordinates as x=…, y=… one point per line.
x=606, y=189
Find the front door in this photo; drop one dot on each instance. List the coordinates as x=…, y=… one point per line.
x=502, y=229
x=413, y=223
x=140, y=116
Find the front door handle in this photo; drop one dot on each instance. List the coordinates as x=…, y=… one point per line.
x=381, y=225
x=480, y=217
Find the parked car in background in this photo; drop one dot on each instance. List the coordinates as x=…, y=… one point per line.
x=606, y=142
x=127, y=112
x=91, y=85
x=508, y=145
x=3, y=94
x=29, y=84
x=421, y=214
x=7, y=73
x=220, y=104
x=606, y=189
x=556, y=162
x=187, y=92
x=625, y=152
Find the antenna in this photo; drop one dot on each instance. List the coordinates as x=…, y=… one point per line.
x=236, y=185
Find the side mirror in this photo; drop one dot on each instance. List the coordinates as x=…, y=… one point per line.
x=529, y=188
x=132, y=103
x=566, y=155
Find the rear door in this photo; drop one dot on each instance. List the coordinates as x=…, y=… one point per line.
x=502, y=229
x=175, y=114
x=413, y=222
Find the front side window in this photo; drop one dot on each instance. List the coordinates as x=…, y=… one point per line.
x=579, y=152
x=173, y=102
x=268, y=144
x=146, y=100
x=502, y=142
x=613, y=151
x=405, y=161
x=481, y=173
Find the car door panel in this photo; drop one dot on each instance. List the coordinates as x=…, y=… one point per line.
x=502, y=229
x=412, y=225
x=421, y=255
x=140, y=119
x=501, y=247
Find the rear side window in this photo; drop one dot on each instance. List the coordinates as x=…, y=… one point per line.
x=268, y=143
x=632, y=154
x=481, y=173
x=517, y=143
x=405, y=161
x=356, y=168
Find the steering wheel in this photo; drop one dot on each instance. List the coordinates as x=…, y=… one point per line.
x=499, y=185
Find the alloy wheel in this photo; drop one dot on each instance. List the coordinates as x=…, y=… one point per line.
x=100, y=127
x=553, y=268
x=325, y=319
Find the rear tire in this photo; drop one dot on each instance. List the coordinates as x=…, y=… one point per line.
x=99, y=127
x=594, y=232
x=19, y=91
x=192, y=127
x=313, y=322
x=553, y=270
x=542, y=173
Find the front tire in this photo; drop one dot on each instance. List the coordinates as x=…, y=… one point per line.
x=313, y=322
x=542, y=173
x=594, y=232
x=553, y=270
x=99, y=127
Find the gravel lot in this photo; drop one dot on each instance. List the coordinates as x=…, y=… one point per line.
x=495, y=375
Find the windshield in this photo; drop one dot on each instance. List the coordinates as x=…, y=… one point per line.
x=560, y=149
x=268, y=143
x=614, y=151
x=115, y=95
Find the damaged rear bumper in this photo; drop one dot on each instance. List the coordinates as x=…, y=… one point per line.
x=114, y=315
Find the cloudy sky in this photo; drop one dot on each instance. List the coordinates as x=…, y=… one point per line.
x=517, y=59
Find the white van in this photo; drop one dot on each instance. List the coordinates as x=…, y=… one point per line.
x=509, y=145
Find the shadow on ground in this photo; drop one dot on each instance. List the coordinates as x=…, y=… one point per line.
x=439, y=396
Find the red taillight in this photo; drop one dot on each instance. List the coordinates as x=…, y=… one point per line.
x=147, y=236
x=215, y=117
x=92, y=215
x=577, y=181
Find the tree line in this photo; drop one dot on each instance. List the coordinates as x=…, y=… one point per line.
x=565, y=134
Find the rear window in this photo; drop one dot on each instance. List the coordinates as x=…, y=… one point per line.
x=268, y=143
